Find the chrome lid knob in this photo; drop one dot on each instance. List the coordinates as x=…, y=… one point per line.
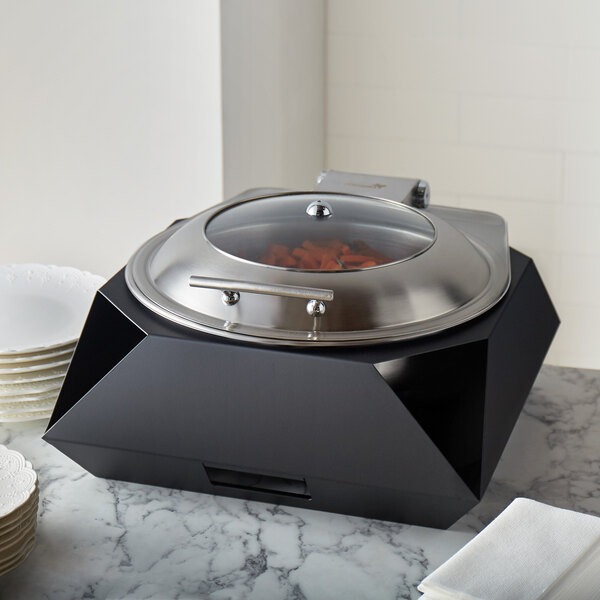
x=319, y=209
x=230, y=298
x=315, y=308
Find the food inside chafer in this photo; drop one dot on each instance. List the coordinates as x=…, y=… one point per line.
x=332, y=255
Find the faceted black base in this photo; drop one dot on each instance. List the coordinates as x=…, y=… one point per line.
x=408, y=431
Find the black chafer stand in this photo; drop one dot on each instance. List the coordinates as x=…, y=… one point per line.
x=408, y=429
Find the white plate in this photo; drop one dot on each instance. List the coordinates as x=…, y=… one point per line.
x=43, y=306
x=19, y=534
x=24, y=522
x=14, y=548
x=17, y=517
x=50, y=396
x=35, y=376
x=19, y=417
x=10, y=408
x=21, y=530
x=31, y=367
x=18, y=481
x=19, y=558
x=15, y=390
x=66, y=349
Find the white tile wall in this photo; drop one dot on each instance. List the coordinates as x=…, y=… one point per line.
x=520, y=21
x=497, y=104
x=388, y=113
x=583, y=74
x=582, y=178
x=512, y=122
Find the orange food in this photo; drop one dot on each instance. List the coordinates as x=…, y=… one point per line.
x=287, y=261
x=278, y=250
x=355, y=258
x=329, y=255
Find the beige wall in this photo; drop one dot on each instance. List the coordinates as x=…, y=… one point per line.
x=110, y=125
x=497, y=104
x=273, y=93
x=119, y=116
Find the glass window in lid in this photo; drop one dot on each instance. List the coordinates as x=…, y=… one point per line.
x=321, y=232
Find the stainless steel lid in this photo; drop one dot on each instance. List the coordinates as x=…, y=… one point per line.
x=325, y=267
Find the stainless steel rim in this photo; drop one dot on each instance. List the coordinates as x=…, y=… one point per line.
x=138, y=278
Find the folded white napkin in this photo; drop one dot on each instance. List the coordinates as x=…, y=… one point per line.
x=529, y=552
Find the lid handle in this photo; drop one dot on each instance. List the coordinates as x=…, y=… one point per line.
x=231, y=291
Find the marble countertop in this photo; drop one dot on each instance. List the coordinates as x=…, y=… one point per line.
x=108, y=539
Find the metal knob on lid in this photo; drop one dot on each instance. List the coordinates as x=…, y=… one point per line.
x=230, y=297
x=319, y=209
x=315, y=308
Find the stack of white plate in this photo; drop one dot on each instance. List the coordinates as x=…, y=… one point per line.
x=42, y=311
x=19, y=497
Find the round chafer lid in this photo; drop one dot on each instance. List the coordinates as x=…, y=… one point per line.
x=323, y=268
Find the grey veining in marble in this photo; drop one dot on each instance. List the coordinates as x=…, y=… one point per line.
x=107, y=539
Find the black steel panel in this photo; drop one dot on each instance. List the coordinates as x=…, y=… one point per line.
x=405, y=431
x=516, y=350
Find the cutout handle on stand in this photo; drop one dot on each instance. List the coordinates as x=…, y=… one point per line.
x=258, y=482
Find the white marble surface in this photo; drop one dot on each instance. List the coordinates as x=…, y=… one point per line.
x=107, y=539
